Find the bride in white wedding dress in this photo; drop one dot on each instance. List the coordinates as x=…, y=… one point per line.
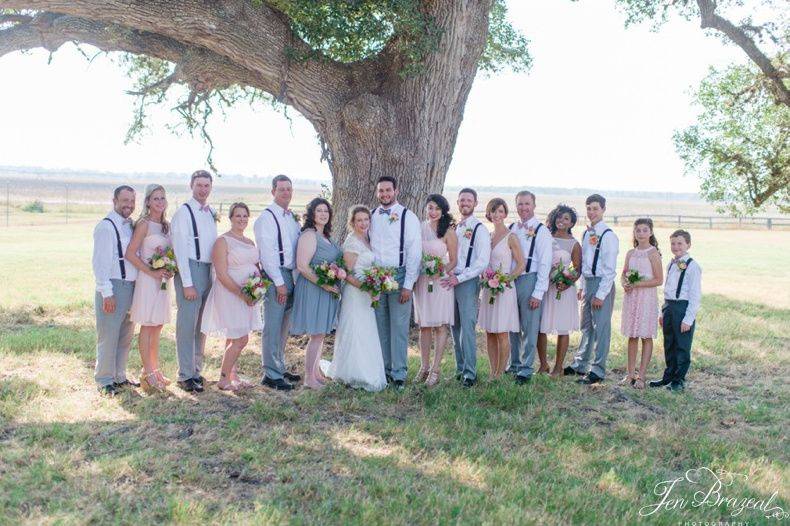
x=357, y=360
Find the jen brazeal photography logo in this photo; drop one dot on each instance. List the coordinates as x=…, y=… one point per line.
x=704, y=491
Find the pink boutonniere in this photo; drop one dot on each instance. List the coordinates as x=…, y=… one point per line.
x=394, y=217
x=530, y=232
x=214, y=215
x=468, y=233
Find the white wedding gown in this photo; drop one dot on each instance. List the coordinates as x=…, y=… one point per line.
x=357, y=360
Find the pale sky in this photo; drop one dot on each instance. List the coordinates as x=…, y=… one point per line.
x=598, y=109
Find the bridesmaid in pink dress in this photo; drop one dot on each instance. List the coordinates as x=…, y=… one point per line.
x=150, y=304
x=640, y=304
x=560, y=316
x=433, y=303
x=228, y=311
x=501, y=318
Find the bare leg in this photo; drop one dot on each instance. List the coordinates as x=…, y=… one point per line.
x=492, y=348
x=155, y=336
x=562, y=348
x=148, y=342
x=542, y=349
x=441, y=340
x=647, y=353
x=426, y=337
x=233, y=349
x=633, y=347
x=312, y=356
x=504, y=351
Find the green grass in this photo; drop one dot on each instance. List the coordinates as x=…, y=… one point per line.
x=552, y=452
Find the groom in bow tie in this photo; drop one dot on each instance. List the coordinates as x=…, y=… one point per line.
x=397, y=242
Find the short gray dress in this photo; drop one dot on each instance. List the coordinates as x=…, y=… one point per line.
x=315, y=310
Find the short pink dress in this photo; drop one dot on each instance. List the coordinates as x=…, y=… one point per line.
x=151, y=304
x=640, y=306
x=502, y=316
x=433, y=309
x=226, y=314
x=560, y=316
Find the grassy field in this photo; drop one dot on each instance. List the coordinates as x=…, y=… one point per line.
x=552, y=452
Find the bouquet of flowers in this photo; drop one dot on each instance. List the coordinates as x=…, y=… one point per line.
x=432, y=266
x=377, y=280
x=255, y=287
x=633, y=276
x=495, y=281
x=562, y=273
x=330, y=273
x=163, y=258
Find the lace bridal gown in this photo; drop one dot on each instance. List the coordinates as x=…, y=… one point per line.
x=357, y=360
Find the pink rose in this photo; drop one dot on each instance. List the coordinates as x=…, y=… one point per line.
x=341, y=274
x=493, y=283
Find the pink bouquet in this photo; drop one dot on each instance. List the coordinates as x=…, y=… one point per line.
x=562, y=273
x=495, y=281
x=378, y=280
x=163, y=258
x=432, y=266
x=331, y=274
x=255, y=287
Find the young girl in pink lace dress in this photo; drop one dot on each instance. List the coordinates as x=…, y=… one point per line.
x=640, y=304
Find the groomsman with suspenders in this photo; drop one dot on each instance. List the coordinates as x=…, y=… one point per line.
x=194, y=231
x=115, y=279
x=474, y=251
x=599, y=269
x=396, y=240
x=276, y=234
x=536, y=243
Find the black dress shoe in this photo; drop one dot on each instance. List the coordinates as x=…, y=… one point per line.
x=126, y=383
x=468, y=382
x=570, y=371
x=389, y=379
x=199, y=380
x=278, y=385
x=108, y=390
x=459, y=376
x=676, y=387
x=398, y=385
x=521, y=380
x=189, y=385
x=657, y=383
x=291, y=377
x=589, y=379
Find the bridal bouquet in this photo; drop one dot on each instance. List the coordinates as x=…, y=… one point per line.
x=432, y=266
x=163, y=258
x=330, y=273
x=378, y=280
x=495, y=281
x=562, y=273
x=255, y=287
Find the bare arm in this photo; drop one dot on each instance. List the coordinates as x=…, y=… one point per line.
x=350, y=259
x=305, y=250
x=140, y=231
x=518, y=255
x=452, y=249
x=219, y=259
x=576, y=259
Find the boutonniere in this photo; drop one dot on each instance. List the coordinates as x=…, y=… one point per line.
x=468, y=233
x=593, y=236
x=214, y=215
x=394, y=217
x=296, y=216
x=530, y=232
x=682, y=265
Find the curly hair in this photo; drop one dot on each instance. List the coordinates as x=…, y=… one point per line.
x=446, y=220
x=551, y=220
x=309, y=216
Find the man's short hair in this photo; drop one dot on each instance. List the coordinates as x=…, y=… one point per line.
x=122, y=188
x=468, y=191
x=282, y=178
x=526, y=192
x=198, y=174
x=596, y=198
x=682, y=233
x=388, y=179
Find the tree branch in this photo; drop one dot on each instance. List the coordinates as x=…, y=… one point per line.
x=709, y=19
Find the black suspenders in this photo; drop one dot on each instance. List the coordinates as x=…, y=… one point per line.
x=194, y=231
x=279, y=238
x=598, y=251
x=402, y=232
x=121, y=262
x=471, y=246
x=532, y=247
x=680, y=279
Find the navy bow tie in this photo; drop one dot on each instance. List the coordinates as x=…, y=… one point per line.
x=386, y=211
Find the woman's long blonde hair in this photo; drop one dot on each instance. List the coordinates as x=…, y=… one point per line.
x=146, y=212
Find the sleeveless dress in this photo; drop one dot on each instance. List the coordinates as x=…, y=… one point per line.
x=560, y=316
x=433, y=309
x=357, y=360
x=224, y=313
x=151, y=304
x=640, y=306
x=315, y=310
x=502, y=316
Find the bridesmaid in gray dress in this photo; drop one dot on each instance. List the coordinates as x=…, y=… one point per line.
x=315, y=307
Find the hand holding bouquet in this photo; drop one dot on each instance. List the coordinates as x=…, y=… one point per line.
x=378, y=280
x=562, y=274
x=631, y=278
x=495, y=281
x=164, y=258
x=330, y=275
x=432, y=266
x=254, y=288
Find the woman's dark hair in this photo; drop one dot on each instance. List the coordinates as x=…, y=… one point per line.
x=446, y=220
x=309, y=216
x=649, y=222
x=560, y=209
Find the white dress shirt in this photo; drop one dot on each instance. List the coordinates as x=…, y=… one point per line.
x=184, y=239
x=607, y=258
x=481, y=252
x=266, y=238
x=385, y=240
x=541, y=256
x=106, y=260
x=691, y=290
